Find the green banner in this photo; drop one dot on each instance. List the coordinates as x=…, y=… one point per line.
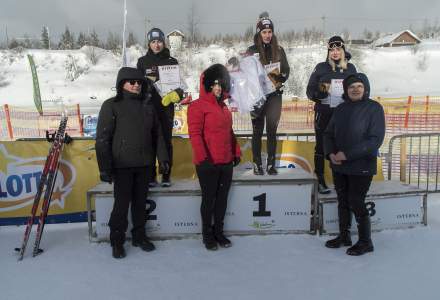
x=37, y=95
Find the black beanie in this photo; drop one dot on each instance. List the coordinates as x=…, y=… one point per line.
x=155, y=34
x=216, y=74
x=353, y=78
x=336, y=39
x=264, y=23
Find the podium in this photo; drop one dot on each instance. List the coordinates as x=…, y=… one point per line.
x=285, y=203
x=391, y=205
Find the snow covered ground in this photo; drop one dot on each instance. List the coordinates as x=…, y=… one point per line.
x=405, y=265
x=71, y=77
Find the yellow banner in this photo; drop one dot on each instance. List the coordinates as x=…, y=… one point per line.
x=21, y=165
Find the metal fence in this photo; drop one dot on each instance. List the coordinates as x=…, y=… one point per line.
x=414, y=158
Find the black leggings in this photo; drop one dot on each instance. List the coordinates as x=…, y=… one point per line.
x=271, y=113
x=215, y=182
x=131, y=185
x=321, y=121
x=166, y=118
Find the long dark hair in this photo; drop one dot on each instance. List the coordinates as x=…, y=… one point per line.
x=275, y=49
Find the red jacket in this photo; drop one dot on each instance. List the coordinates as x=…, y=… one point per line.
x=210, y=130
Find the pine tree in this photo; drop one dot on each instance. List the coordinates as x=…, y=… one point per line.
x=82, y=40
x=67, y=41
x=114, y=42
x=93, y=39
x=45, y=38
x=131, y=39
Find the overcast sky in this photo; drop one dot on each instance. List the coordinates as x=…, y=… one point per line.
x=225, y=16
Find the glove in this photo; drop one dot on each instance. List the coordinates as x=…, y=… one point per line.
x=324, y=87
x=171, y=97
x=164, y=167
x=236, y=161
x=106, y=177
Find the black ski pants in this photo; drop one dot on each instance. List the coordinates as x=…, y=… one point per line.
x=215, y=182
x=270, y=113
x=166, y=119
x=130, y=185
x=351, y=191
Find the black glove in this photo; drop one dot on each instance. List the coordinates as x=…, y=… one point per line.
x=106, y=177
x=164, y=167
x=236, y=161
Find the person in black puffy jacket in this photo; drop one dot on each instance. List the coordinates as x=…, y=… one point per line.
x=333, y=70
x=128, y=127
x=351, y=143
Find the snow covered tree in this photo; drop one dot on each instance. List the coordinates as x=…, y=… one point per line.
x=82, y=40
x=45, y=38
x=249, y=33
x=132, y=40
x=94, y=39
x=67, y=41
x=114, y=42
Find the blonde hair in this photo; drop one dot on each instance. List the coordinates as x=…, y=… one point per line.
x=342, y=62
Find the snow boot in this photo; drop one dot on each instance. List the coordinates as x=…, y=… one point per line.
x=344, y=238
x=322, y=186
x=165, y=180
x=270, y=167
x=220, y=237
x=118, y=251
x=364, y=245
x=208, y=238
x=143, y=243
x=258, y=169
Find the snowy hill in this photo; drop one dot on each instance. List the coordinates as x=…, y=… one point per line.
x=87, y=75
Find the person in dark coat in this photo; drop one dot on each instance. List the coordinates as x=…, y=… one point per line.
x=267, y=49
x=351, y=143
x=127, y=128
x=333, y=70
x=215, y=151
x=159, y=55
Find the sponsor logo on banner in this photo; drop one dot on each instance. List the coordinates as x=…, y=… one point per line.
x=263, y=225
x=290, y=161
x=20, y=177
x=178, y=124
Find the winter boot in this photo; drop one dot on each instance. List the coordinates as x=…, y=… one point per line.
x=220, y=237
x=270, y=168
x=322, y=187
x=208, y=238
x=344, y=238
x=258, y=169
x=165, y=180
x=143, y=242
x=364, y=245
x=118, y=251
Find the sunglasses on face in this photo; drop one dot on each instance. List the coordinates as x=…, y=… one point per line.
x=133, y=82
x=334, y=45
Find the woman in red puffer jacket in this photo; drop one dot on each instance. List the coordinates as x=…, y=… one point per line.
x=215, y=151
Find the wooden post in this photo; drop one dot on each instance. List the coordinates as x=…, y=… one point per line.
x=408, y=109
x=8, y=122
x=80, y=121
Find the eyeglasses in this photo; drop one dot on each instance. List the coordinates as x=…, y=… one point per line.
x=334, y=45
x=133, y=82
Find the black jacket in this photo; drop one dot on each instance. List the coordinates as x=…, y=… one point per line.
x=284, y=64
x=357, y=129
x=148, y=65
x=323, y=73
x=127, y=127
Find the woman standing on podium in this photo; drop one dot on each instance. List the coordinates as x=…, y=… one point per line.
x=325, y=89
x=273, y=58
x=215, y=151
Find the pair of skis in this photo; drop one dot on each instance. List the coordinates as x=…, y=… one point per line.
x=46, y=184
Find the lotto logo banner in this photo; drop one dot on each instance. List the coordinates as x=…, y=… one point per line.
x=21, y=165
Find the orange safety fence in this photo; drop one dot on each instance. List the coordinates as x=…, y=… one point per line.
x=25, y=122
x=412, y=114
